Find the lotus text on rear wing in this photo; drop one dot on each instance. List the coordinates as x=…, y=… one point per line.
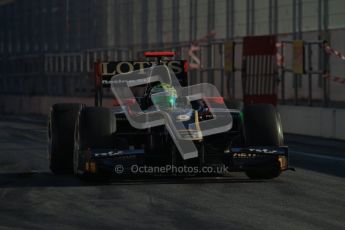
x=113, y=68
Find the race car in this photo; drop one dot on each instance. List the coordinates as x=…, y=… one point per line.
x=101, y=140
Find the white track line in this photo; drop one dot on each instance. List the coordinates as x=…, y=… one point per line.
x=319, y=156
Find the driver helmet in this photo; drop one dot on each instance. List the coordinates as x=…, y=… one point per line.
x=166, y=99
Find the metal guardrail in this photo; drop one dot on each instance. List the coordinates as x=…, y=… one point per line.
x=307, y=68
x=76, y=68
x=57, y=74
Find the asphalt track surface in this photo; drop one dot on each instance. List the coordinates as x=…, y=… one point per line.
x=31, y=197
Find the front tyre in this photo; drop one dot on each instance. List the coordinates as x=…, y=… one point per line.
x=95, y=129
x=262, y=127
x=61, y=123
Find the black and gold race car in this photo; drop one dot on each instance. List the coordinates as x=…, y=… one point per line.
x=100, y=140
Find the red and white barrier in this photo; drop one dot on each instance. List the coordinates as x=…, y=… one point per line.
x=340, y=80
x=280, y=58
x=195, y=62
x=330, y=51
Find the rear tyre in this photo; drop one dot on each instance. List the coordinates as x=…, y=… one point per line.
x=262, y=127
x=95, y=129
x=61, y=123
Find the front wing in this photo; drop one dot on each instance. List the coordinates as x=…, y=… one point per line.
x=235, y=159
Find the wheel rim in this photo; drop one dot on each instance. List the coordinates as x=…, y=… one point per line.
x=76, y=152
x=50, y=144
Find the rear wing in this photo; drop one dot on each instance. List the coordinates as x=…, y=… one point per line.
x=104, y=71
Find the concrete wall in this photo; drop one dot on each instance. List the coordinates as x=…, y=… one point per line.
x=313, y=121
